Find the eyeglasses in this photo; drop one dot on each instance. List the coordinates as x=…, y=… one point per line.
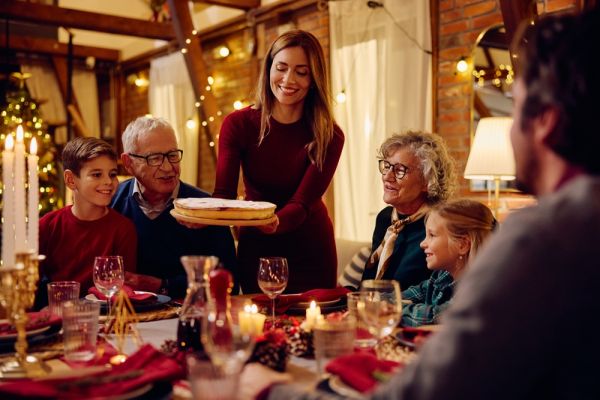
x=157, y=159
x=400, y=170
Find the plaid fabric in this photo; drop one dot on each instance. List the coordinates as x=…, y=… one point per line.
x=429, y=299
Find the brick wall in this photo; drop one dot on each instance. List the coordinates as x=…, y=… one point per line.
x=460, y=23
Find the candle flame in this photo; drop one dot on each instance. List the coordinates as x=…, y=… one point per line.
x=313, y=305
x=33, y=147
x=19, y=134
x=9, y=143
x=254, y=309
x=247, y=308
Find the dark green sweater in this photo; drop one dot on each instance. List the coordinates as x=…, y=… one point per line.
x=407, y=263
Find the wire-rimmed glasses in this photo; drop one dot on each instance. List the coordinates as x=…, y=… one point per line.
x=400, y=170
x=157, y=159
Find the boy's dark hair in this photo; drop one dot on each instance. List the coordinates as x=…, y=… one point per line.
x=83, y=149
x=560, y=71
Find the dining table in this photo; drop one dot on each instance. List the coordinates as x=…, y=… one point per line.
x=158, y=328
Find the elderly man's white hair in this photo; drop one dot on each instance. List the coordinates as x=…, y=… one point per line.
x=138, y=128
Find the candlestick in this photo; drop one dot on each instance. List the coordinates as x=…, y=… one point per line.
x=8, y=198
x=33, y=198
x=20, y=239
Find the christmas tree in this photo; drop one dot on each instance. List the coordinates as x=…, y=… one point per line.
x=21, y=109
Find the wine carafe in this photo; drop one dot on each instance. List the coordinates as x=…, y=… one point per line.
x=196, y=301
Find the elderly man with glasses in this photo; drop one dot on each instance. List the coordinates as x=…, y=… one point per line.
x=416, y=173
x=151, y=155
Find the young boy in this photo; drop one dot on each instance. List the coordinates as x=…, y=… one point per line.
x=73, y=236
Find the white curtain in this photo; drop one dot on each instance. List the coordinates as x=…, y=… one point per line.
x=85, y=89
x=43, y=86
x=386, y=78
x=171, y=97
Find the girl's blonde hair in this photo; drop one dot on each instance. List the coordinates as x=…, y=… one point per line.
x=317, y=108
x=466, y=219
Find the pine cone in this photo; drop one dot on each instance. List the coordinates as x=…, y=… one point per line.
x=271, y=350
x=300, y=342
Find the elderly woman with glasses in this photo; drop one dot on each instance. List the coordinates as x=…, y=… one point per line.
x=417, y=173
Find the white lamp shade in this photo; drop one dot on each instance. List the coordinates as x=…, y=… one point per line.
x=491, y=155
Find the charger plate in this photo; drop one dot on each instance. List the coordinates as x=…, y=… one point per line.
x=222, y=222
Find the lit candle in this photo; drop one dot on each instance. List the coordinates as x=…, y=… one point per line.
x=258, y=320
x=8, y=198
x=244, y=320
x=250, y=321
x=312, y=315
x=20, y=239
x=33, y=197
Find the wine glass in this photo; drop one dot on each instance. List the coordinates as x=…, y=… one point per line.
x=379, y=306
x=272, y=278
x=109, y=276
x=226, y=344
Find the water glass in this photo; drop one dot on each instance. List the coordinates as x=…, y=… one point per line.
x=60, y=292
x=364, y=339
x=210, y=382
x=80, y=329
x=333, y=339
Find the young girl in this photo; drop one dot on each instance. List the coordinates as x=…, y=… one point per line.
x=454, y=232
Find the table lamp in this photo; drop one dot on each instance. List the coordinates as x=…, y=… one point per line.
x=491, y=156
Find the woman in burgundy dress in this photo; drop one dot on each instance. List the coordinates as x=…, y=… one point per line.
x=288, y=146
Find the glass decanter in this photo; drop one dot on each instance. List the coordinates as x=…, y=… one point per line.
x=196, y=301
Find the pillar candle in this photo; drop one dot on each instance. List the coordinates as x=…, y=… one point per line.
x=8, y=198
x=258, y=320
x=20, y=239
x=33, y=214
x=312, y=315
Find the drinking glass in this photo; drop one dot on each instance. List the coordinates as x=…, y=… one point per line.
x=273, y=278
x=380, y=306
x=227, y=346
x=109, y=276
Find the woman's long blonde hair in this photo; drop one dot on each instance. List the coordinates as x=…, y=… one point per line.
x=317, y=108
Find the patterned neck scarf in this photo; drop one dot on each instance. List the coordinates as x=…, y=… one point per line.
x=382, y=254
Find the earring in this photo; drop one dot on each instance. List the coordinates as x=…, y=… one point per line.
x=461, y=257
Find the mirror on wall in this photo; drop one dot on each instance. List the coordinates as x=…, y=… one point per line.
x=493, y=77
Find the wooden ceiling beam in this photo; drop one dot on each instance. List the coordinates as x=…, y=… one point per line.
x=47, y=46
x=513, y=13
x=239, y=4
x=70, y=18
x=183, y=26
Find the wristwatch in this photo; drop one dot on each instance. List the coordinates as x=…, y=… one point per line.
x=164, y=287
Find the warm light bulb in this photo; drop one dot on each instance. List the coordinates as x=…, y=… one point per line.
x=190, y=124
x=462, y=65
x=341, y=97
x=210, y=80
x=224, y=51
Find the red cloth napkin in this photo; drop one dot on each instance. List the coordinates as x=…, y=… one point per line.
x=37, y=320
x=285, y=301
x=359, y=370
x=147, y=365
x=145, y=297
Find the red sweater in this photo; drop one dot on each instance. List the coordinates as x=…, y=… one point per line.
x=70, y=244
x=280, y=171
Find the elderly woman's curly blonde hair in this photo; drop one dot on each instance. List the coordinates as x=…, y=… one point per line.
x=437, y=166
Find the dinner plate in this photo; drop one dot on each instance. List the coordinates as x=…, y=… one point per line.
x=47, y=335
x=13, y=336
x=161, y=300
x=338, y=305
x=222, y=222
x=306, y=304
x=338, y=386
